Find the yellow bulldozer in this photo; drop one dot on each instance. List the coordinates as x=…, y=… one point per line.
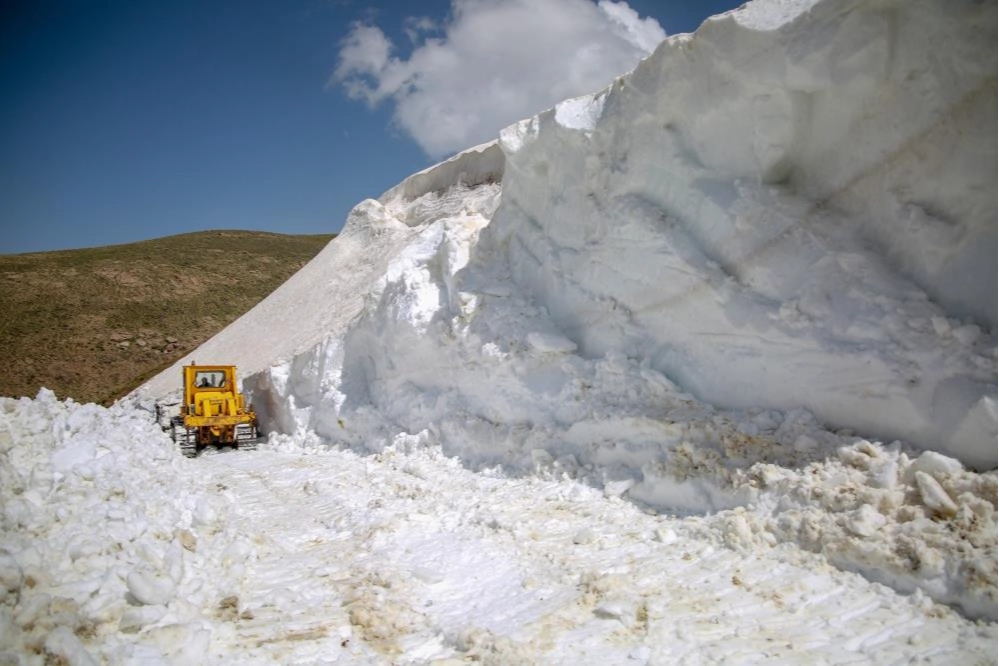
x=213, y=412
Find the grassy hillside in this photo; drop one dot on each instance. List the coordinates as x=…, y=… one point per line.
x=92, y=324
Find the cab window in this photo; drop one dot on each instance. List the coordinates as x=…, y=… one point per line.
x=209, y=379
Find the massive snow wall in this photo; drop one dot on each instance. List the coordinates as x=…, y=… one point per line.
x=794, y=207
x=799, y=213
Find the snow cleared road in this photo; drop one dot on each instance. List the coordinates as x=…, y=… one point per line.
x=411, y=558
x=116, y=549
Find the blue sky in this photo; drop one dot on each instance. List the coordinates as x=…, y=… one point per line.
x=124, y=120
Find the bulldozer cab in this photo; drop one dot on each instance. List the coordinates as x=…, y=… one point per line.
x=210, y=391
x=198, y=378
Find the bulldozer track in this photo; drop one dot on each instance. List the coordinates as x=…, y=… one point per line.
x=185, y=438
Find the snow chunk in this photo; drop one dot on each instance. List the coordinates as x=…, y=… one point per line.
x=137, y=617
x=78, y=451
x=11, y=577
x=618, y=488
x=934, y=496
x=966, y=335
x=935, y=464
x=550, y=343
x=979, y=424
x=184, y=643
x=666, y=536
x=580, y=113
x=865, y=521
x=150, y=589
x=66, y=648
x=940, y=326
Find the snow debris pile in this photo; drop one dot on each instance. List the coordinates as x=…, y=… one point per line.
x=103, y=536
x=923, y=523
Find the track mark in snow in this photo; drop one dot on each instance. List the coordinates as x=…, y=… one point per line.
x=291, y=598
x=410, y=558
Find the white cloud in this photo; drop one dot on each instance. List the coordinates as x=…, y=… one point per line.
x=645, y=33
x=416, y=26
x=364, y=53
x=493, y=63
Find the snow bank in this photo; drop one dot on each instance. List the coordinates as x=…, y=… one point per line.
x=749, y=277
x=110, y=550
x=782, y=215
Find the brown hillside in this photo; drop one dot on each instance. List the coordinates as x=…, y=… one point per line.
x=92, y=324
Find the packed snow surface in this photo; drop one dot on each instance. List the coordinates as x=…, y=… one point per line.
x=118, y=550
x=699, y=368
